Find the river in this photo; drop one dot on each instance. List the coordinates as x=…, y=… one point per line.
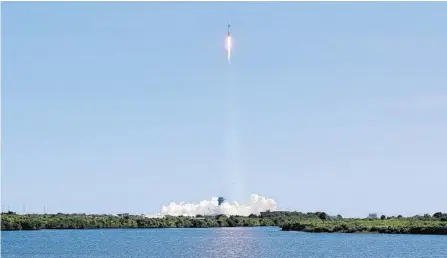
x=215, y=242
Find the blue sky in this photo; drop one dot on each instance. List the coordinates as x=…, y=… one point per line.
x=123, y=107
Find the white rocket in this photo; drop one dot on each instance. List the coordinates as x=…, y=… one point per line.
x=228, y=45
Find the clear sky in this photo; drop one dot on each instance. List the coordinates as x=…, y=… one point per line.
x=123, y=107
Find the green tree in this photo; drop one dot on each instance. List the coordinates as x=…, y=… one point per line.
x=322, y=215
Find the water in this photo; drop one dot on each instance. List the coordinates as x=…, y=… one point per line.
x=218, y=242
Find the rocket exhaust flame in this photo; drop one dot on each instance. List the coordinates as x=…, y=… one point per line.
x=229, y=48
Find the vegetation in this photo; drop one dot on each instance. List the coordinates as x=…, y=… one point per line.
x=389, y=226
x=295, y=221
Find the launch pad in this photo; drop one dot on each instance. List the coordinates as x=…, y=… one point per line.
x=220, y=200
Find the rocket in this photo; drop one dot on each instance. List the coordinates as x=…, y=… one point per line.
x=228, y=44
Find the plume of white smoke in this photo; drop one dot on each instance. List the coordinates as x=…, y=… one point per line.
x=255, y=205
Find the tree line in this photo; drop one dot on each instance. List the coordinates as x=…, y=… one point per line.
x=287, y=221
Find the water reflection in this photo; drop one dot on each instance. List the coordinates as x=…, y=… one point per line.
x=234, y=242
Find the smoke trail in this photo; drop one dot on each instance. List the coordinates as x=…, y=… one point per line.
x=255, y=205
x=234, y=168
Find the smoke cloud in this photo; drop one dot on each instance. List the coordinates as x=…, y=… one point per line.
x=255, y=205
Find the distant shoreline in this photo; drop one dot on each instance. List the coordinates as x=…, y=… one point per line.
x=318, y=222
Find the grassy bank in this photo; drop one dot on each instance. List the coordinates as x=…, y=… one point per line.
x=288, y=221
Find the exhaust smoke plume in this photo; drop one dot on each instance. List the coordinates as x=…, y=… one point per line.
x=255, y=205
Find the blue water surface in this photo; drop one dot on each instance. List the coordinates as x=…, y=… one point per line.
x=215, y=242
